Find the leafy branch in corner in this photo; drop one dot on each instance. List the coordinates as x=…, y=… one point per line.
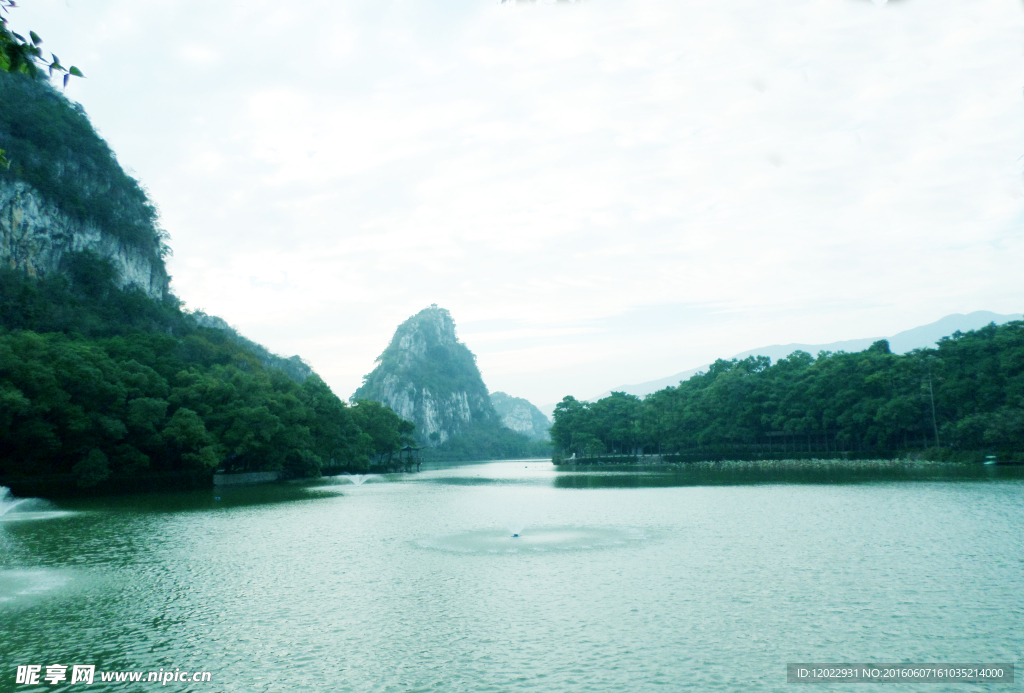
x=20, y=55
x=26, y=57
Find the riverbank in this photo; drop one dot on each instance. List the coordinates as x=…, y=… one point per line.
x=925, y=457
x=643, y=471
x=60, y=486
x=66, y=486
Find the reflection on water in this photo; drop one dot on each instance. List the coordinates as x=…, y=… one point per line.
x=468, y=481
x=218, y=498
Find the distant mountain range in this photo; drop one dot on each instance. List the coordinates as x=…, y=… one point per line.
x=521, y=416
x=901, y=343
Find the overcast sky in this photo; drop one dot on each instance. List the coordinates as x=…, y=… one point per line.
x=601, y=193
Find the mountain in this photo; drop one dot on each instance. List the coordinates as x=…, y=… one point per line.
x=64, y=193
x=427, y=376
x=65, y=196
x=519, y=415
x=296, y=369
x=106, y=384
x=916, y=338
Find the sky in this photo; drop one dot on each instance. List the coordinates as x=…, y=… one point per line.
x=600, y=192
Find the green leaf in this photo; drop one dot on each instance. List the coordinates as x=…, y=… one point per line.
x=76, y=72
x=35, y=37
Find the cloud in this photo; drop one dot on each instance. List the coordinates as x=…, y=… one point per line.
x=804, y=170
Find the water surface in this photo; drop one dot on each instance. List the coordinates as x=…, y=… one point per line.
x=619, y=580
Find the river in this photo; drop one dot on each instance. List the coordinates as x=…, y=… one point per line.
x=618, y=581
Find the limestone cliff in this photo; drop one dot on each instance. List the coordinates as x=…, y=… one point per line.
x=64, y=192
x=36, y=236
x=522, y=417
x=427, y=376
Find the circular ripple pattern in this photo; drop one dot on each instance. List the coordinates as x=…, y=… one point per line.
x=540, y=539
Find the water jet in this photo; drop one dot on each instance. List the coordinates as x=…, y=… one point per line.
x=7, y=501
x=359, y=479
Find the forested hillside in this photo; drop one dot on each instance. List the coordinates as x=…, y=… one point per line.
x=489, y=441
x=962, y=400
x=50, y=144
x=100, y=387
x=105, y=382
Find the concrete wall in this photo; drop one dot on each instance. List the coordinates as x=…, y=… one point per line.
x=248, y=478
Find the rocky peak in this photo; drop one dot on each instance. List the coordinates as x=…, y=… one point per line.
x=427, y=376
x=431, y=328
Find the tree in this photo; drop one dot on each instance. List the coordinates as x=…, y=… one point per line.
x=336, y=437
x=968, y=395
x=387, y=432
x=26, y=56
x=92, y=469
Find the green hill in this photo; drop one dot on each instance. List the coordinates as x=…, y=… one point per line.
x=960, y=401
x=106, y=384
x=57, y=157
